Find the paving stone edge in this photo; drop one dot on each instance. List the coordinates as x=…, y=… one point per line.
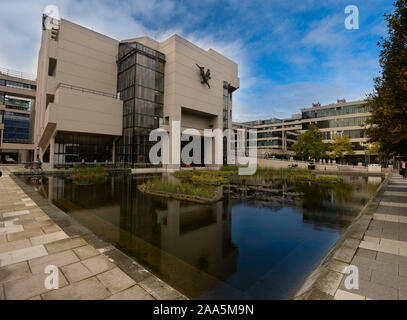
x=75, y=229
x=324, y=280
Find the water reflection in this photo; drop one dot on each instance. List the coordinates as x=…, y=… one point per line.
x=260, y=241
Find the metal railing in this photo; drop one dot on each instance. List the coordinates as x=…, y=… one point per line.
x=18, y=74
x=101, y=93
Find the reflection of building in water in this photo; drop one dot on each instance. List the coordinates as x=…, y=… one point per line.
x=200, y=235
x=336, y=205
x=188, y=245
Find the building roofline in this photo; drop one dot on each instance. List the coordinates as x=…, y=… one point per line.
x=340, y=104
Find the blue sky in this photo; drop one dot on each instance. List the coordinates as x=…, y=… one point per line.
x=290, y=53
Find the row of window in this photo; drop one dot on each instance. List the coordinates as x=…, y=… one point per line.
x=18, y=85
x=125, y=48
x=352, y=134
x=336, y=123
x=335, y=111
x=269, y=143
x=276, y=134
x=16, y=127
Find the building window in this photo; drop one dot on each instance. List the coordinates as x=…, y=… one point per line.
x=71, y=148
x=141, y=87
x=17, y=104
x=227, y=105
x=52, y=67
x=16, y=127
x=19, y=85
x=50, y=99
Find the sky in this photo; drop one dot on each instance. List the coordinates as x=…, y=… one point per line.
x=290, y=53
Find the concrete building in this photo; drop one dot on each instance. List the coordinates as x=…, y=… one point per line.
x=17, y=107
x=343, y=119
x=275, y=137
x=78, y=114
x=99, y=98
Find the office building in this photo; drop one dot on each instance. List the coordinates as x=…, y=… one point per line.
x=275, y=137
x=99, y=98
x=17, y=106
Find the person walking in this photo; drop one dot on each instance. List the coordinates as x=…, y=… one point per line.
x=403, y=168
x=39, y=162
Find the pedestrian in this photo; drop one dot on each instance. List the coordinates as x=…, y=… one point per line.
x=39, y=162
x=403, y=168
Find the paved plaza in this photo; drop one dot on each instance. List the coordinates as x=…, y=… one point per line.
x=30, y=241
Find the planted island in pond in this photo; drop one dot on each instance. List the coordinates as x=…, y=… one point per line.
x=88, y=176
x=182, y=191
x=226, y=173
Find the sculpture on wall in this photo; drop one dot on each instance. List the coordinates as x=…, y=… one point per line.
x=205, y=76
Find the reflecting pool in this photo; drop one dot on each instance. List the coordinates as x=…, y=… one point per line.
x=254, y=244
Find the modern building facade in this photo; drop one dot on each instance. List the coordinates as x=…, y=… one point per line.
x=343, y=119
x=17, y=109
x=99, y=98
x=275, y=137
x=78, y=114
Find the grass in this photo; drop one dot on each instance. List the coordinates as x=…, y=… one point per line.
x=209, y=179
x=87, y=176
x=223, y=176
x=182, y=188
x=318, y=179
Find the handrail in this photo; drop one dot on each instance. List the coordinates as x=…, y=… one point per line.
x=18, y=74
x=101, y=93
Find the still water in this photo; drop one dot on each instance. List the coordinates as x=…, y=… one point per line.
x=252, y=245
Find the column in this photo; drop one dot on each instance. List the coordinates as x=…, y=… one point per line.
x=51, y=151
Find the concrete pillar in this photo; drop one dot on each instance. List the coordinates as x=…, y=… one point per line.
x=36, y=152
x=51, y=151
x=114, y=151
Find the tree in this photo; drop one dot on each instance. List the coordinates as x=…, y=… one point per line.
x=310, y=144
x=341, y=146
x=388, y=103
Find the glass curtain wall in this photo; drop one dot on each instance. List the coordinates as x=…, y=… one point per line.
x=141, y=87
x=72, y=148
x=16, y=127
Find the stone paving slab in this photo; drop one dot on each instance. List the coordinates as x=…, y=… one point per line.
x=32, y=238
x=380, y=255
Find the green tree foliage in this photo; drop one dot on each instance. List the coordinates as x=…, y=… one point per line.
x=310, y=144
x=388, y=124
x=341, y=147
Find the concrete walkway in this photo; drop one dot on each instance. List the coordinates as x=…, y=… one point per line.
x=375, y=243
x=30, y=241
x=381, y=257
